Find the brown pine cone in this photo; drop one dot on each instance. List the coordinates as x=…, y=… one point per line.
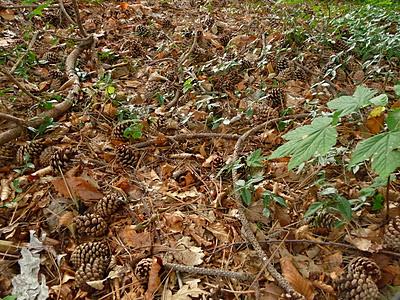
x=299, y=74
x=90, y=225
x=90, y=272
x=135, y=49
x=339, y=45
x=56, y=74
x=61, y=158
x=142, y=30
x=324, y=219
x=356, y=286
x=218, y=162
x=282, y=64
x=245, y=64
x=366, y=266
x=46, y=155
x=125, y=156
x=7, y=150
x=293, y=295
x=29, y=151
x=224, y=40
x=108, y=205
x=276, y=97
x=143, y=267
x=51, y=57
x=87, y=253
x=261, y=111
x=391, y=237
x=119, y=130
x=152, y=88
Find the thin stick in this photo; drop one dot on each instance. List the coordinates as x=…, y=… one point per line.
x=246, y=229
x=30, y=46
x=78, y=19
x=13, y=119
x=64, y=11
x=18, y=84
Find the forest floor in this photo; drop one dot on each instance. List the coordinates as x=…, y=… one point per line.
x=134, y=141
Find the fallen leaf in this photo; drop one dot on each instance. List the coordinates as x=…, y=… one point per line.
x=187, y=254
x=78, y=186
x=134, y=239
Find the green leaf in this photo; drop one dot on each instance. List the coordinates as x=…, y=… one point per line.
x=255, y=159
x=313, y=209
x=10, y=297
x=393, y=120
x=349, y=104
x=380, y=100
x=246, y=195
x=344, y=207
x=397, y=89
x=381, y=150
x=307, y=141
x=187, y=85
x=110, y=90
x=266, y=212
x=378, y=202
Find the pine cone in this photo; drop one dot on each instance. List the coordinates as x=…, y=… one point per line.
x=142, y=30
x=61, y=158
x=108, y=205
x=218, y=162
x=391, y=237
x=152, y=88
x=90, y=272
x=366, y=266
x=135, y=49
x=356, y=286
x=119, y=130
x=299, y=74
x=166, y=23
x=276, y=97
x=339, y=45
x=32, y=149
x=143, y=267
x=261, y=111
x=51, y=57
x=293, y=295
x=282, y=64
x=46, y=155
x=324, y=219
x=125, y=156
x=87, y=253
x=7, y=150
x=56, y=74
x=224, y=40
x=208, y=22
x=245, y=64
x=90, y=225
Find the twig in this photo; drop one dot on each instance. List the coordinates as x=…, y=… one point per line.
x=13, y=119
x=246, y=229
x=173, y=101
x=209, y=272
x=30, y=46
x=60, y=108
x=78, y=19
x=180, y=137
x=18, y=84
x=64, y=11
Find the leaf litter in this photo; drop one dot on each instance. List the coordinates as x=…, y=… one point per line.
x=160, y=73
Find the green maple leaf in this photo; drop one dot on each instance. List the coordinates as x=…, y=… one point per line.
x=362, y=97
x=382, y=150
x=307, y=141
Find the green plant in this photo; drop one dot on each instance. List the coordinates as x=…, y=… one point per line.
x=134, y=131
x=269, y=197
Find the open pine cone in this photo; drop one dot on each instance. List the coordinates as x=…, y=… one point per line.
x=90, y=272
x=142, y=268
x=108, y=205
x=391, y=237
x=90, y=225
x=87, y=253
x=356, y=286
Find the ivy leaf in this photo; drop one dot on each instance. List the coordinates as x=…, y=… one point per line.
x=381, y=150
x=307, y=141
x=344, y=207
x=349, y=104
x=393, y=120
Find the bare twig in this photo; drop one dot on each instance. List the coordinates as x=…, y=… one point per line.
x=30, y=46
x=246, y=229
x=173, y=101
x=13, y=119
x=209, y=272
x=78, y=19
x=18, y=84
x=64, y=11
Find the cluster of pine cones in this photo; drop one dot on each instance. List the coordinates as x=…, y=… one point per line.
x=92, y=259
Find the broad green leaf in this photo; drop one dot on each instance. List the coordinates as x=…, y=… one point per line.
x=349, y=104
x=381, y=150
x=377, y=203
x=246, y=195
x=344, y=207
x=255, y=159
x=307, y=141
x=393, y=120
x=380, y=100
x=313, y=208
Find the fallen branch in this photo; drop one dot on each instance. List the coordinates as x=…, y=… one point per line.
x=78, y=19
x=64, y=11
x=191, y=136
x=13, y=119
x=18, y=84
x=209, y=272
x=246, y=229
x=61, y=108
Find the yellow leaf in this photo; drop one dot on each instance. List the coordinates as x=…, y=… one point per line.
x=376, y=112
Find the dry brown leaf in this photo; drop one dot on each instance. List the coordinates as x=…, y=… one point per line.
x=298, y=282
x=66, y=219
x=134, y=239
x=154, y=279
x=174, y=221
x=78, y=186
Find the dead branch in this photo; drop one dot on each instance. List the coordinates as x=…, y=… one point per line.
x=209, y=272
x=61, y=108
x=18, y=84
x=78, y=19
x=64, y=11
x=30, y=46
x=13, y=119
x=246, y=229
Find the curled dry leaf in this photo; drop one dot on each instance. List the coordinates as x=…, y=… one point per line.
x=187, y=254
x=78, y=187
x=299, y=283
x=154, y=279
